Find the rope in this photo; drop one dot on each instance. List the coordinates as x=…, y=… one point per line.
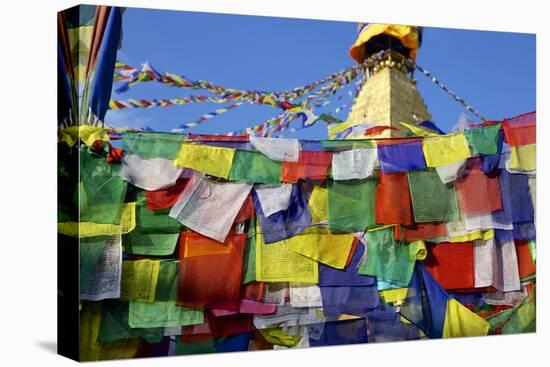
x=449, y=92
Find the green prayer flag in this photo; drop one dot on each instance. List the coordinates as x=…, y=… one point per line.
x=154, y=221
x=156, y=233
x=255, y=167
x=249, y=260
x=520, y=319
x=391, y=260
x=352, y=205
x=341, y=145
x=198, y=347
x=167, y=285
x=67, y=183
x=101, y=190
x=114, y=325
x=483, y=139
x=152, y=145
x=91, y=249
x=162, y=314
x=153, y=244
x=432, y=200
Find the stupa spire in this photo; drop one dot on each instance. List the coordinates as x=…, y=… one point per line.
x=389, y=94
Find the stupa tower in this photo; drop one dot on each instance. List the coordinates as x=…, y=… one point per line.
x=389, y=94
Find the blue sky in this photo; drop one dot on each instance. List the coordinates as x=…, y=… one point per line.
x=493, y=71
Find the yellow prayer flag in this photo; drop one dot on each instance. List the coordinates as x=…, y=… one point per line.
x=277, y=336
x=445, y=149
x=87, y=133
x=91, y=349
x=397, y=295
x=421, y=251
x=277, y=263
x=318, y=205
x=524, y=157
x=334, y=130
x=418, y=130
x=460, y=321
x=89, y=229
x=322, y=246
x=139, y=280
x=214, y=161
x=475, y=235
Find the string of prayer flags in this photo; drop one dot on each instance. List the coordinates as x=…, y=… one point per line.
x=202, y=243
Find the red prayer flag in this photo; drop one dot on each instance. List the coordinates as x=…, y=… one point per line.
x=165, y=198
x=420, y=231
x=452, y=264
x=526, y=264
x=393, y=202
x=477, y=193
x=520, y=134
x=312, y=165
x=210, y=280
